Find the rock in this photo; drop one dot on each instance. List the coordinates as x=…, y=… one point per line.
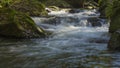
x=115, y=22
x=18, y=25
x=75, y=11
x=48, y=10
x=31, y=7
x=114, y=29
x=54, y=8
x=95, y=21
x=96, y=40
x=114, y=42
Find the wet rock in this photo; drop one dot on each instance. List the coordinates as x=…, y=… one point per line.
x=18, y=25
x=98, y=41
x=59, y=20
x=52, y=21
x=54, y=8
x=48, y=10
x=114, y=42
x=95, y=21
x=75, y=11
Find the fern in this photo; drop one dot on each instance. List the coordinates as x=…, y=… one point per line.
x=5, y=3
x=109, y=9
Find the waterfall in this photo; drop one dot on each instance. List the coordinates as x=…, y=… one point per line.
x=63, y=21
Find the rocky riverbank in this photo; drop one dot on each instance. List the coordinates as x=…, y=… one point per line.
x=15, y=20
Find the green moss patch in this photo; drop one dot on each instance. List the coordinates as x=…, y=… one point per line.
x=19, y=25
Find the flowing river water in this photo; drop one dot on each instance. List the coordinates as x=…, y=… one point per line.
x=79, y=40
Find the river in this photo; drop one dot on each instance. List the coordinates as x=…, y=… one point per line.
x=79, y=40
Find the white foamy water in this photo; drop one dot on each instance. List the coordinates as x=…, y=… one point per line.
x=76, y=42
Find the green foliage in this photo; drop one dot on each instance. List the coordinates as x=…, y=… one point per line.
x=5, y=3
x=109, y=9
x=113, y=12
x=116, y=7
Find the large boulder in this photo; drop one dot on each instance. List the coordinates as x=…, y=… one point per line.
x=114, y=42
x=31, y=7
x=114, y=29
x=18, y=25
x=115, y=22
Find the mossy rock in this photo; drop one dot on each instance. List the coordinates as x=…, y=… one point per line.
x=115, y=22
x=115, y=17
x=114, y=43
x=18, y=25
x=54, y=8
x=31, y=7
x=114, y=29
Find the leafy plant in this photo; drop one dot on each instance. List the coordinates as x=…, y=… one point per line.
x=5, y=3
x=113, y=6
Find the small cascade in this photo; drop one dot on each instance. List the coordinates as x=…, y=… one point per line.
x=79, y=40
x=64, y=19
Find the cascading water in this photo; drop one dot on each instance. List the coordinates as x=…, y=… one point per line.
x=79, y=40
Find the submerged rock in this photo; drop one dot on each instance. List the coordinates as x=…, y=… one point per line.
x=96, y=40
x=95, y=21
x=18, y=25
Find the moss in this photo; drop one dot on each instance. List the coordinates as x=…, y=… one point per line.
x=31, y=7
x=115, y=23
x=18, y=25
x=115, y=18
